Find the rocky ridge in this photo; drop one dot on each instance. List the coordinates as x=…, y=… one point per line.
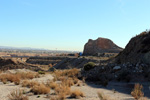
x=100, y=45
x=132, y=64
x=137, y=50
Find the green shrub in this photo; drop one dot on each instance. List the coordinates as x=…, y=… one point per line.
x=41, y=72
x=89, y=65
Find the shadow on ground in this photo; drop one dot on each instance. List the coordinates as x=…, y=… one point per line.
x=123, y=87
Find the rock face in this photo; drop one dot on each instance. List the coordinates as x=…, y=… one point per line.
x=101, y=45
x=137, y=50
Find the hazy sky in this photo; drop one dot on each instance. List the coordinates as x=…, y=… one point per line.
x=68, y=24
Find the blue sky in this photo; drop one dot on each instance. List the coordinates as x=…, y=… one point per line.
x=68, y=24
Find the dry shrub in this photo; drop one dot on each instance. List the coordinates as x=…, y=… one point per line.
x=61, y=96
x=16, y=80
x=67, y=73
x=62, y=78
x=40, y=89
x=10, y=77
x=78, y=84
x=4, y=80
x=52, y=85
x=17, y=95
x=53, y=98
x=68, y=79
x=28, y=75
x=62, y=89
x=58, y=97
x=102, y=96
x=17, y=77
x=1, y=71
x=68, y=82
x=137, y=91
x=27, y=83
x=75, y=80
x=76, y=94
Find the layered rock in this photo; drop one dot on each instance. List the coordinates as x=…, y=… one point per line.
x=101, y=45
x=137, y=50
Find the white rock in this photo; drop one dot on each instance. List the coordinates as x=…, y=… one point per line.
x=116, y=68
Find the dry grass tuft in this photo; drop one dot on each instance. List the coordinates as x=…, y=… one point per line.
x=4, y=80
x=17, y=77
x=62, y=89
x=17, y=95
x=102, y=96
x=10, y=77
x=29, y=84
x=28, y=75
x=67, y=73
x=68, y=79
x=40, y=89
x=137, y=91
x=75, y=80
x=68, y=82
x=76, y=94
x=52, y=85
x=61, y=96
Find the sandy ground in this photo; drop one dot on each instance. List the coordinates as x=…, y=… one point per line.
x=6, y=89
x=114, y=90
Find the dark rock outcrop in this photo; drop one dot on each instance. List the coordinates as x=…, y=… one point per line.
x=4, y=62
x=137, y=50
x=69, y=63
x=101, y=45
x=44, y=60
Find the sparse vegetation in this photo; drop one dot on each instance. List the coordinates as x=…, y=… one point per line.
x=76, y=94
x=62, y=89
x=41, y=72
x=102, y=96
x=67, y=73
x=17, y=77
x=52, y=85
x=10, y=77
x=28, y=75
x=40, y=89
x=137, y=91
x=68, y=82
x=61, y=96
x=30, y=84
x=17, y=95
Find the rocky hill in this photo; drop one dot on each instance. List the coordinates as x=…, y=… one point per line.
x=132, y=64
x=137, y=50
x=101, y=45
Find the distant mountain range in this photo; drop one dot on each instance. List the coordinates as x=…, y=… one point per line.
x=9, y=48
x=21, y=48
